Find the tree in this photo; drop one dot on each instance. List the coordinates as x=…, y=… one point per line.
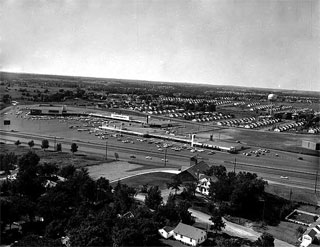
x=216, y=218
x=17, y=143
x=153, y=198
x=175, y=184
x=116, y=155
x=74, y=148
x=299, y=231
x=184, y=214
x=29, y=182
x=265, y=240
x=67, y=171
x=7, y=162
x=31, y=144
x=59, y=147
x=35, y=240
x=45, y=144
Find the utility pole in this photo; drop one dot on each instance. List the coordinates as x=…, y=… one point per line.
x=165, y=157
x=234, y=166
x=315, y=185
x=55, y=144
x=106, y=150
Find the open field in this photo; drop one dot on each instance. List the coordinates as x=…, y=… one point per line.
x=285, y=231
x=298, y=195
x=152, y=179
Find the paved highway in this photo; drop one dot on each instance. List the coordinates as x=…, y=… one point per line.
x=300, y=173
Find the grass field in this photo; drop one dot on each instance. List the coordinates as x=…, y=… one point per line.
x=285, y=231
x=152, y=179
x=298, y=195
x=60, y=158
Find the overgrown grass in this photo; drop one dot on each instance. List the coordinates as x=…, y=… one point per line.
x=298, y=194
x=285, y=231
x=152, y=179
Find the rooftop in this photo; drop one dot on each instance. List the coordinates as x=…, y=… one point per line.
x=189, y=231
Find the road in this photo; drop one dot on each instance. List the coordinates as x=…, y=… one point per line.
x=235, y=229
x=230, y=228
x=300, y=173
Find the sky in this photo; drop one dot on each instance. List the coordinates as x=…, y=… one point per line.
x=256, y=43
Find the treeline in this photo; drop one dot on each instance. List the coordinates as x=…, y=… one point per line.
x=51, y=203
x=243, y=194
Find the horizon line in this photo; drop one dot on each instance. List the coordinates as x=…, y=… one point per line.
x=154, y=81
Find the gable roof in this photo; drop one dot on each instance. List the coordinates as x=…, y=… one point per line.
x=168, y=228
x=189, y=231
x=198, y=168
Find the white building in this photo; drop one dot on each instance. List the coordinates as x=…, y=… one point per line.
x=312, y=232
x=189, y=235
x=166, y=232
x=204, y=184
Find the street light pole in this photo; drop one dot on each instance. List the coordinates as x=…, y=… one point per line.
x=106, y=150
x=315, y=185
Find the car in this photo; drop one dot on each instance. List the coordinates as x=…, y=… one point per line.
x=132, y=156
x=300, y=158
x=277, y=155
x=160, y=149
x=148, y=157
x=165, y=160
x=284, y=177
x=211, y=153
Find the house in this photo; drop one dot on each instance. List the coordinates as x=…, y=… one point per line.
x=192, y=173
x=189, y=235
x=166, y=232
x=312, y=232
x=204, y=183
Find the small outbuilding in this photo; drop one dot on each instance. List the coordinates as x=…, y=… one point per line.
x=166, y=232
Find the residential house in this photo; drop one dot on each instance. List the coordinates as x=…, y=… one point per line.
x=312, y=232
x=192, y=173
x=166, y=232
x=204, y=183
x=189, y=235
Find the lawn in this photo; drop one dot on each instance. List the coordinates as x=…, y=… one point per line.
x=60, y=158
x=285, y=231
x=305, y=218
x=152, y=179
x=298, y=195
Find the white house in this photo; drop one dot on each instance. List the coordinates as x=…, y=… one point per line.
x=189, y=235
x=312, y=232
x=166, y=232
x=204, y=184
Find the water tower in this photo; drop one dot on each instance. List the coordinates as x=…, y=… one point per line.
x=272, y=98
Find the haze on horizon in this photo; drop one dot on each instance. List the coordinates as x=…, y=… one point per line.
x=268, y=44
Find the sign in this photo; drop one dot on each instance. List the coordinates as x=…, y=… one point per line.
x=6, y=122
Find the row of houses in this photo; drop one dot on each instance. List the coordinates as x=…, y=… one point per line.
x=288, y=127
x=253, y=104
x=211, y=118
x=261, y=123
x=314, y=130
x=237, y=121
x=223, y=100
x=262, y=107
